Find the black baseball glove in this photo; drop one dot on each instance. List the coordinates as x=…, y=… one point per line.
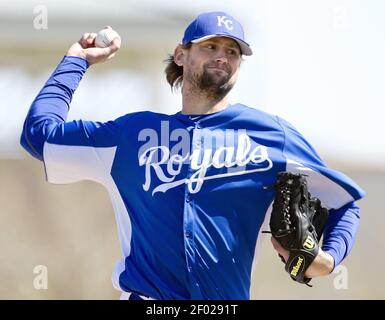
x=297, y=223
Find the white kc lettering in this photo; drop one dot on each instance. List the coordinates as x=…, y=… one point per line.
x=226, y=22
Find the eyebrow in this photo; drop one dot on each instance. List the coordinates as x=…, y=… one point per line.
x=231, y=44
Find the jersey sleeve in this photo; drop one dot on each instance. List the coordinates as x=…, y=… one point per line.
x=336, y=191
x=334, y=188
x=81, y=150
x=75, y=150
x=340, y=231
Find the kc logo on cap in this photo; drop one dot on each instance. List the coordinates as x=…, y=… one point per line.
x=216, y=24
x=225, y=21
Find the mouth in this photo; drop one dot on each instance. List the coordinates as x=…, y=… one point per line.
x=218, y=69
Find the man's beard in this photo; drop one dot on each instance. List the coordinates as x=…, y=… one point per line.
x=210, y=85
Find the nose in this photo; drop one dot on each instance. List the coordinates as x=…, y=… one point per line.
x=221, y=60
x=221, y=57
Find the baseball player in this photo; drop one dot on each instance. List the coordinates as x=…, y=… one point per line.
x=188, y=189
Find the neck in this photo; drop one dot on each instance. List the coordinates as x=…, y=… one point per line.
x=194, y=103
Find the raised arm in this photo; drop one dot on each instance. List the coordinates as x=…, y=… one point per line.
x=50, y=107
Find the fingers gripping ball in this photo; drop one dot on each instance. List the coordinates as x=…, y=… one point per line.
x=105, y=36
x=297, y=222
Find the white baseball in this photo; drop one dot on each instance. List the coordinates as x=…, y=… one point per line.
x=104, y=37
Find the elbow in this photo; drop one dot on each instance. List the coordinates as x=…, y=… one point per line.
x=31, y=142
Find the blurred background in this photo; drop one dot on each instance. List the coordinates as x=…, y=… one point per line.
x=318, y=64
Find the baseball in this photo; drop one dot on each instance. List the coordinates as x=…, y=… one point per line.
x=104, y=37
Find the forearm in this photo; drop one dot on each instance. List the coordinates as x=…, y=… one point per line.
x=338, y=240
x=322, y=265
x=51, y=105
x=340, y=232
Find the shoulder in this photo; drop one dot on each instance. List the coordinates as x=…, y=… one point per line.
x=145, y=115
x=259, y=116
x=142, y=119
x=266, y=117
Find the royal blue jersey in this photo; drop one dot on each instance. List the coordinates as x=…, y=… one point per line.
x=189, y=192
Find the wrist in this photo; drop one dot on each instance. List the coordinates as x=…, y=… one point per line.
x=80, y=55
x=322, y=265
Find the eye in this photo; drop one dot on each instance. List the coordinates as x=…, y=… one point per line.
x=210, y=46
x=232, y=52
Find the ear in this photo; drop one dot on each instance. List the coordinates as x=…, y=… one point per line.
x=179, y=56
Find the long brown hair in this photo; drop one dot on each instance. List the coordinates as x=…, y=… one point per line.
x=174, y=73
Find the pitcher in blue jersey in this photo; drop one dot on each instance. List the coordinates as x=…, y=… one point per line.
x=188, y=189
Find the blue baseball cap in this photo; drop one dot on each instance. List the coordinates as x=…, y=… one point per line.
x=216, y=24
